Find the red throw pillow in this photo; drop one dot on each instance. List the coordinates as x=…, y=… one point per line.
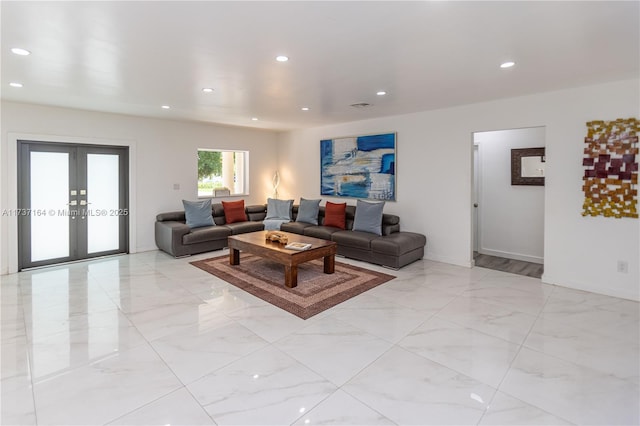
x=234, y=211
x=334, y=215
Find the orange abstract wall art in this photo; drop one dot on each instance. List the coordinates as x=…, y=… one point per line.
x=611, y=168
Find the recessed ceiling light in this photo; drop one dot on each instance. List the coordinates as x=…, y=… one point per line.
x=207, y=90
x=165, y=107
x=20, y=51
x=282, y=58
x=15, y=84
x=305, y=108
x=381, y=93
x=508, y=64
x=254, y=118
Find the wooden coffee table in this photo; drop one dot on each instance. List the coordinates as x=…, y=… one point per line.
x=255, y=243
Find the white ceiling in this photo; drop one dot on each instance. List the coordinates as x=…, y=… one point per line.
x=133, y=57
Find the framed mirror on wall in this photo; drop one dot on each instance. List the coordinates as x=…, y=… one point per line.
x=528, y=166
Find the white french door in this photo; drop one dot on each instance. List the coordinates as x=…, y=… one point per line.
x=72, y=202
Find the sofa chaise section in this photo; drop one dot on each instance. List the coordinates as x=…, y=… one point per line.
x=393, y=249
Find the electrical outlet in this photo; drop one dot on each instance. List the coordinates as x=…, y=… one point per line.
x=176, y=186
x=623, y=266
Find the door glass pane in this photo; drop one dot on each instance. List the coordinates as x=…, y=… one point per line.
x=103, y=224
x=49, y=198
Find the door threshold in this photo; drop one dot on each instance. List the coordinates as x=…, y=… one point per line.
x=53, y=265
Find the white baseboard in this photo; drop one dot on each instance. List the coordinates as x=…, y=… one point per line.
x=449, y=260
x=143, y=249
x=608, y=291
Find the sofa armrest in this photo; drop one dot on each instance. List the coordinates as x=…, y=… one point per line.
x=390, y=229
x=175, y=216
x=390, y=224
x=169, y=237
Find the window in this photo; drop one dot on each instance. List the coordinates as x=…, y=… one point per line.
x=222, y=173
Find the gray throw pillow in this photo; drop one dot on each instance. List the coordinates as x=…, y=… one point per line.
x=308, y=211
x=198, y=213
x=368, y=217
x=279, y=209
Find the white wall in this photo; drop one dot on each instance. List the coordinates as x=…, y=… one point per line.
x=511, y=217
x=165, y=154
x=434, y=179
x=434, y=172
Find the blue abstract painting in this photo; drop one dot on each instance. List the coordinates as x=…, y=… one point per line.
x=359, y=167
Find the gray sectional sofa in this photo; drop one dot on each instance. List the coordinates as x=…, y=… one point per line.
x=394, y=248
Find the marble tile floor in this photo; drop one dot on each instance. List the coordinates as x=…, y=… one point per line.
x=146, y=339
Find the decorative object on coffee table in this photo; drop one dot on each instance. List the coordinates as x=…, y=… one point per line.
x=298, y=246
x=276, y=237
x=316, y=291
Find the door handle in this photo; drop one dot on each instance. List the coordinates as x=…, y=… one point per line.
x=475, y=205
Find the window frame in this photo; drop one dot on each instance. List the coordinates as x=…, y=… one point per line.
x=244, y=174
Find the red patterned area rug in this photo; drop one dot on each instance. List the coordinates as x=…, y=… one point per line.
x=315, y=292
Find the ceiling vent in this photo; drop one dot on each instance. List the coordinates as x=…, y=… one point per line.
x=361, y=105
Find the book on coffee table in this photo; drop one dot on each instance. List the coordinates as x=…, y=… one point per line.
x=297, y=246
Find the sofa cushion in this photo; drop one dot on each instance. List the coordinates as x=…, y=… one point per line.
x=308, y=211
x=279, y=209
x=322, y=232
x=368, y=217
x=334, y=214
x=208, y=233
x=243, y=227
x=355, y=239
x=234, y=211
x=398, y=243
x=295, y=227
x=198, y=213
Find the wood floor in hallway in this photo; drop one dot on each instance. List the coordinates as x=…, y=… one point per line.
x=509, y=265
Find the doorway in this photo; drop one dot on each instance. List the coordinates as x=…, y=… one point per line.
x=72, y=202
x=508, y=218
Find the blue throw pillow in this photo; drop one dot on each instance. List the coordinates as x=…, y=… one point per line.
x=279, y=209
x=308, y=211
x=198, y=213
x=368, y=217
